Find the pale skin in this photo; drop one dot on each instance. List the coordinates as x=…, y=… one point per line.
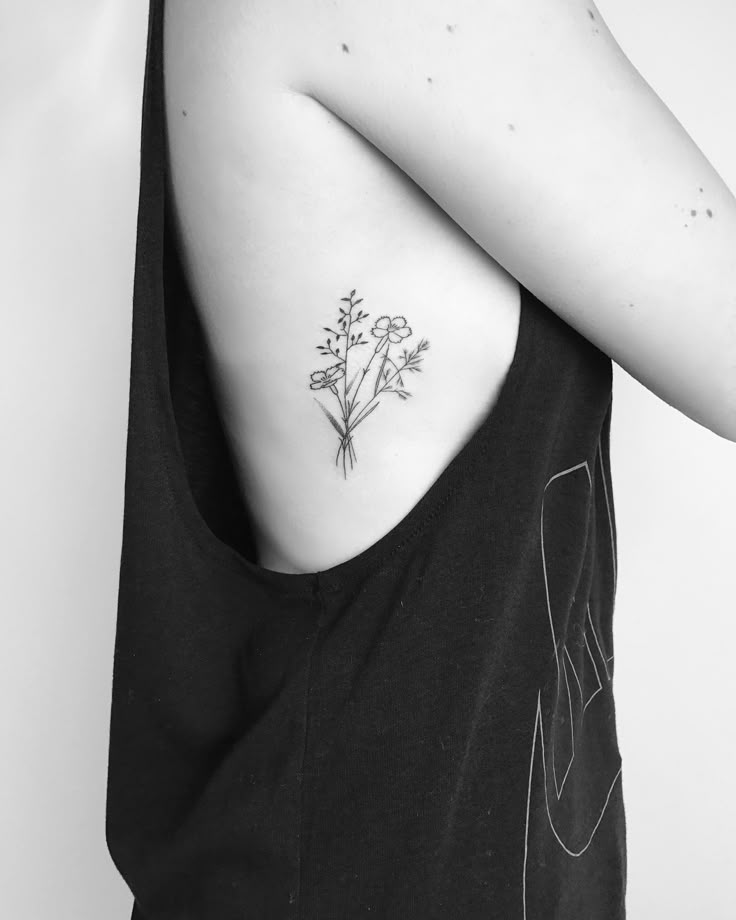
x=576, y=177
x=529, y=128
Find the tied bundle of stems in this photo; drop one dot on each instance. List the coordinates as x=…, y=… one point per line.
x=389, y=331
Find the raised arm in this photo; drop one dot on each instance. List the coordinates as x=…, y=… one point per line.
x=531, y=128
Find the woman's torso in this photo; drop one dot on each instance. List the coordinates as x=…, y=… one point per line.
x=282, y=209
x=426, y=730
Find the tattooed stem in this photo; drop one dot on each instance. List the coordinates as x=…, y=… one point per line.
x=345, y=378
x=383, y=364
x=363, y=412
x=346, y=442
x=365, y=370
x=386, y=329
x=361, y=415
x=342, y=407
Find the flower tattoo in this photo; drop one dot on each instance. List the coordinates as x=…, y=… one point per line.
x=389, y=331
x=322, y=379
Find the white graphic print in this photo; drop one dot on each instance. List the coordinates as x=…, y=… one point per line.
x=574, y=764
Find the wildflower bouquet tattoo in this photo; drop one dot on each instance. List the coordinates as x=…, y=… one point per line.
x=389, y=331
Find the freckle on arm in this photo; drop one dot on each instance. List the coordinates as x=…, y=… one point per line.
x=345, y=48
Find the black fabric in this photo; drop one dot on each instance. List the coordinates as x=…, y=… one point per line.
x=424, y=731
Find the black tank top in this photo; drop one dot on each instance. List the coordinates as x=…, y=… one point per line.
x=426, y=730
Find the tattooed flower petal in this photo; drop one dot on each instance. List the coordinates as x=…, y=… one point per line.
x=322, y=379
x=396, y=328
x=381, y=326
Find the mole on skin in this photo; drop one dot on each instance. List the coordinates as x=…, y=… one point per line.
x=184, y=112
x=591, y=14
x=450, y=28
x=345, y=48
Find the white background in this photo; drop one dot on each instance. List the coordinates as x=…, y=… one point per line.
x=71, y=79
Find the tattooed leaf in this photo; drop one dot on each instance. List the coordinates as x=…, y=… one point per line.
x=331, y=417
x=369, y=412
x=352, y=293
x=359, y=300
x=345, y=298
x=349, y=386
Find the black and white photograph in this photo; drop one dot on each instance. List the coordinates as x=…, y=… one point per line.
x=369, y=460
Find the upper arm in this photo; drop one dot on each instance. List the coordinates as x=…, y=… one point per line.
x=531, y=128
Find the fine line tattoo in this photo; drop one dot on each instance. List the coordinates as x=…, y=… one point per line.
x=389, y=331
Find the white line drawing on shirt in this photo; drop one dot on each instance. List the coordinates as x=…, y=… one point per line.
x=610, y=517
x=577, y=680
x=591, y=679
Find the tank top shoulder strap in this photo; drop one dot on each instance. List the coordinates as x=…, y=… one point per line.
x=153, y=141
x=181, y=488
x=148, y=328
